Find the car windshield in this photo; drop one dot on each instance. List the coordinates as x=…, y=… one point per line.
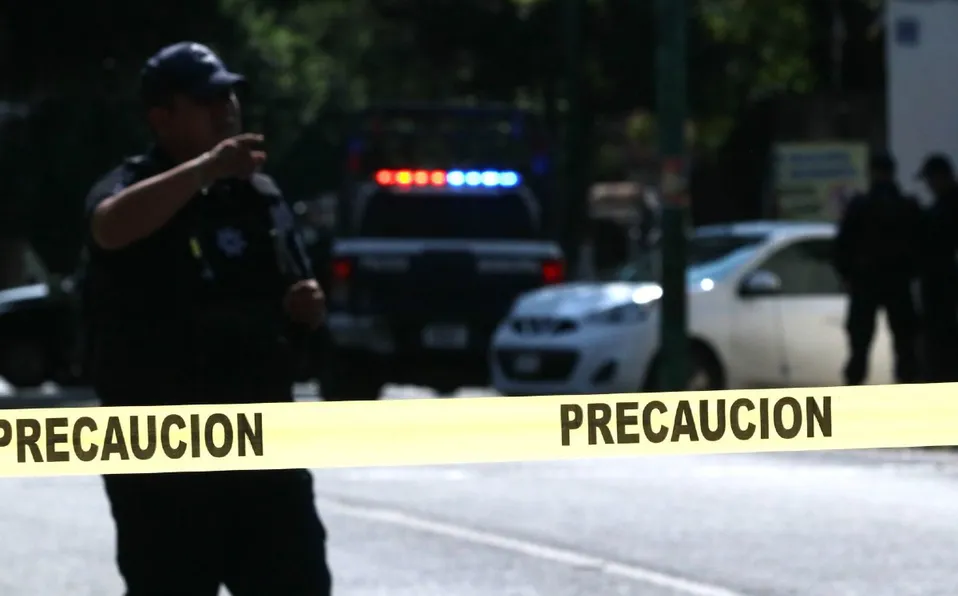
x=709, y=255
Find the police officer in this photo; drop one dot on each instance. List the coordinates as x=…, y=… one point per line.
x=875, y=255
x=939, y=270
x=199, y=291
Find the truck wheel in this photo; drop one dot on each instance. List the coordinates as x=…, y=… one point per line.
x=23, y=363
x=446, y=389
x=350, y=378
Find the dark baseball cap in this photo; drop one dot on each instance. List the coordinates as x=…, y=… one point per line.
x=936, y=164
x=189, y=68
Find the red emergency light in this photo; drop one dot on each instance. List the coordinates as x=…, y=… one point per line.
x=553, y=271
x=411, y=178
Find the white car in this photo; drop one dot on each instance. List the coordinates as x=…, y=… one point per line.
x=765, y=309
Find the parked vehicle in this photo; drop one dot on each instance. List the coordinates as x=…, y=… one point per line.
x=766, y=309
x=38, y=325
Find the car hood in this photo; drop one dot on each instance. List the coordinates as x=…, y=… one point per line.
x=24, y=293
x=575, y=300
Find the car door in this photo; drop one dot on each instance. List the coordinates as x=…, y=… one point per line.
x=812, y=304
x=755, y=339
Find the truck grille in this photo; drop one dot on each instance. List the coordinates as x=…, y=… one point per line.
x=532, y=326
x=554, y=365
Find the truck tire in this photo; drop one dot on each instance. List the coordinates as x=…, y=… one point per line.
x=350, y=377
x=446, y=389
x=24, y=363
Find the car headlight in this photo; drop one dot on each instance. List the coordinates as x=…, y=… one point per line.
x=620, y=315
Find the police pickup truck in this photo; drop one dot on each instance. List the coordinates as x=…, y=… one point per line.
x=435, y=262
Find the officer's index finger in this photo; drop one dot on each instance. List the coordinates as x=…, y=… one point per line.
x=249, y=138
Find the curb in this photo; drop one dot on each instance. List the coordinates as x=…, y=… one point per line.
x=60, y=399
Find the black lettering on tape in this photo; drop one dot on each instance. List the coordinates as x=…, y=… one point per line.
x=707, y=431
x=570, y=419
x=742, y=433
x=28, y=435
x=211, y=446
x=623, y=420
x=600, y=415
x=684, y=422
x=795, y=417
x=6, y=432
x=85, y=455
x=194, y=435
x=56, y=438
x=168, y=423
x=763, y=417
x=252, y=434
x=819, y=415
x=656, y=436
x=784, y=416
x=115, y=442
x=143, y=453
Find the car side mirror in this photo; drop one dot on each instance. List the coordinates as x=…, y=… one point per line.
x=761, y=283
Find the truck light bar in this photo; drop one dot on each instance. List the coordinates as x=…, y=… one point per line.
x=443, y=178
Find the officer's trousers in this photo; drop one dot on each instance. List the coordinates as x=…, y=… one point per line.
x=186, y=534
x=256, y=532
x=940, y=345
x=863, y=306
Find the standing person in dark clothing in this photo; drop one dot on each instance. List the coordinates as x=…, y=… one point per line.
x=875, y=255
x=939, y=270
x=198, y=291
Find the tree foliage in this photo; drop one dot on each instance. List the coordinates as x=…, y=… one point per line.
x=75, y=64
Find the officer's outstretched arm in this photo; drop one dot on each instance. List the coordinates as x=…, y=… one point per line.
x=134, y=212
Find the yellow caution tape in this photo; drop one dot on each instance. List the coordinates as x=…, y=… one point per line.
x=100, y=440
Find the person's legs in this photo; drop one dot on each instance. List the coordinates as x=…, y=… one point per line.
x=942, y=352
x=168, y=540
x=860, y=325
x=277, y=541
x=940, y=324
x=903, y=321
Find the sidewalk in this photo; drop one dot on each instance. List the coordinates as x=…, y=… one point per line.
x=49, y=395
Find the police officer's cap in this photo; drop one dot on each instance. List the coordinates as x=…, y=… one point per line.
x=936, y=164
x=189, y=68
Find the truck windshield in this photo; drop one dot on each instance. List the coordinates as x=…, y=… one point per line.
x=448, y=216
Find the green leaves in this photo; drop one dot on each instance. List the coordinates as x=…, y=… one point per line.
x=766, y=43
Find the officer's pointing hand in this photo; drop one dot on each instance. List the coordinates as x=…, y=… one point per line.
x=237, y=157
x=305, y=303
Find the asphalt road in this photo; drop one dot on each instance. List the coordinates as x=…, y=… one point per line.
x=880, y=523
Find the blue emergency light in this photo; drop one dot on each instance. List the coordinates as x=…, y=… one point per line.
x=451, y=178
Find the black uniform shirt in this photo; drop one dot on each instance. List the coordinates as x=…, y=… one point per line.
x=939, y=256
x=878, y=237
x=193, y=313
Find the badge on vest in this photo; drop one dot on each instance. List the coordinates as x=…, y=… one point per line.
x=231, y=242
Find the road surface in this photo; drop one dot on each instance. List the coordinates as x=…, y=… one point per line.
x=850, y=524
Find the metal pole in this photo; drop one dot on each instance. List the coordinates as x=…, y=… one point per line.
x=573, y=142
x=671, y=91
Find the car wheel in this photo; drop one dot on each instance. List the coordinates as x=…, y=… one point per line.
x=23, y=363
x=705, y=373
x=446, y=389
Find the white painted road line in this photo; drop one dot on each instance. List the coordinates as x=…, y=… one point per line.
x=522, y=547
